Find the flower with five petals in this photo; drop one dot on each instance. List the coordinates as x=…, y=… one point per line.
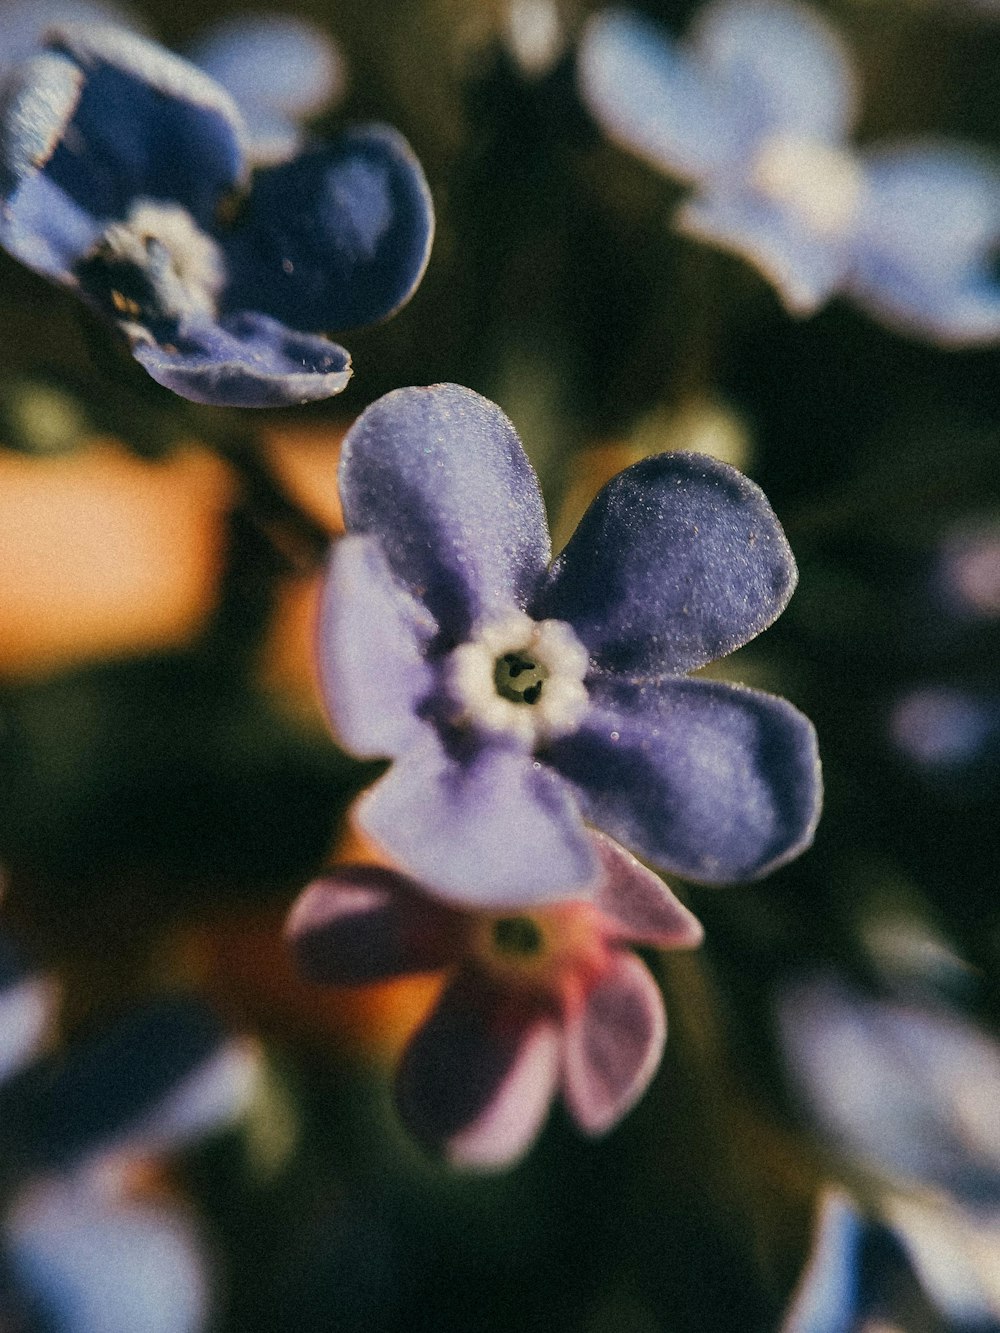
x=519, y=699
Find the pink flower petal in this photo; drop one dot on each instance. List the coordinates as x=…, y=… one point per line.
x=477, y=1080
x=365, y=923
x=638, y=903
x=613, y=1045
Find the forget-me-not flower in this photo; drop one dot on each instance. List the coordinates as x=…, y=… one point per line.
x=753, y=110
x=519, y=700
x=124, y=175
x=81, y=1251
x=870, y=1274
x=534, y=1003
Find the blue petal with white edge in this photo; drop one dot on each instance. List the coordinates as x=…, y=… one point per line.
x=246, y=360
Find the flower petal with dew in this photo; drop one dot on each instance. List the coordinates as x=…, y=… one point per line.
x=536, y=1002
x=520, y=699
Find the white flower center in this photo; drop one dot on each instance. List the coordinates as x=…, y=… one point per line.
x=157, y=264
x=520, y=677
x=819, y=183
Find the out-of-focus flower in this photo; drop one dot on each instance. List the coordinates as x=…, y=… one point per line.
x=875, y=1273
x=124, y=176
x=82, y=1251
x=519, y=699
x=535, y=1003
x=949, y=734
x=24, y=23
x=909, y=1091
x=281, y=70
x=967, y=572
x=753, y=111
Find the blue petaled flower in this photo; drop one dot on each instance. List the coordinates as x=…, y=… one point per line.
x=518, y=699
x=535, y=1003
x=124, y=176
x=867, y=1274
x=81, y=1251
x=753, y=110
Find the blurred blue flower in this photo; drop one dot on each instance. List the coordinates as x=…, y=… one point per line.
x=534, y=1004
x=280, y=69
x=909, y=1091
x=81, y=1251
x=868, y=1273
x=124, y=176
x=519, y=700
x=753, y=110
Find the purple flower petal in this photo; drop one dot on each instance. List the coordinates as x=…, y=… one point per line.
x=678, y=561
x=649, y=95
x=27, y=1011
x=91, y=1263
x=710, y=780
x=477, y=1080
x=490, y=830
x=373, y=641
x=927, y=236
x=147, y=125
x=336, y=238
x=613, y=1047
x=438, y=476
x=247, y=360
x=804, y=267
x=639, y=904
x=781, y=66
x=365, y=923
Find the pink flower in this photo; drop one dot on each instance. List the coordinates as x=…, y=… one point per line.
x=540, y=1002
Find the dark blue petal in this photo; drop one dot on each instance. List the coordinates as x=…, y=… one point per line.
x=246, y=360
x=491, y=830
x=712, y=781
x=373, y=645
x=106, y=1089
x=439, y=477
x=477, y=1080
x=651, y=97
x=781, y=66
x=926, y=242
x=147, y=125
x=678, y=561
x=804, y=267
x=336, y=238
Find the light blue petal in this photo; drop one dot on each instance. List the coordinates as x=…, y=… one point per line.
x=496, y=829
x=24, y=23
x=780, y=66
x=826, y=1298
x=926, y=237
x=279, y=61
x=92, y=1264
x=805, y=269
x=374, y=637
x=649, y=95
